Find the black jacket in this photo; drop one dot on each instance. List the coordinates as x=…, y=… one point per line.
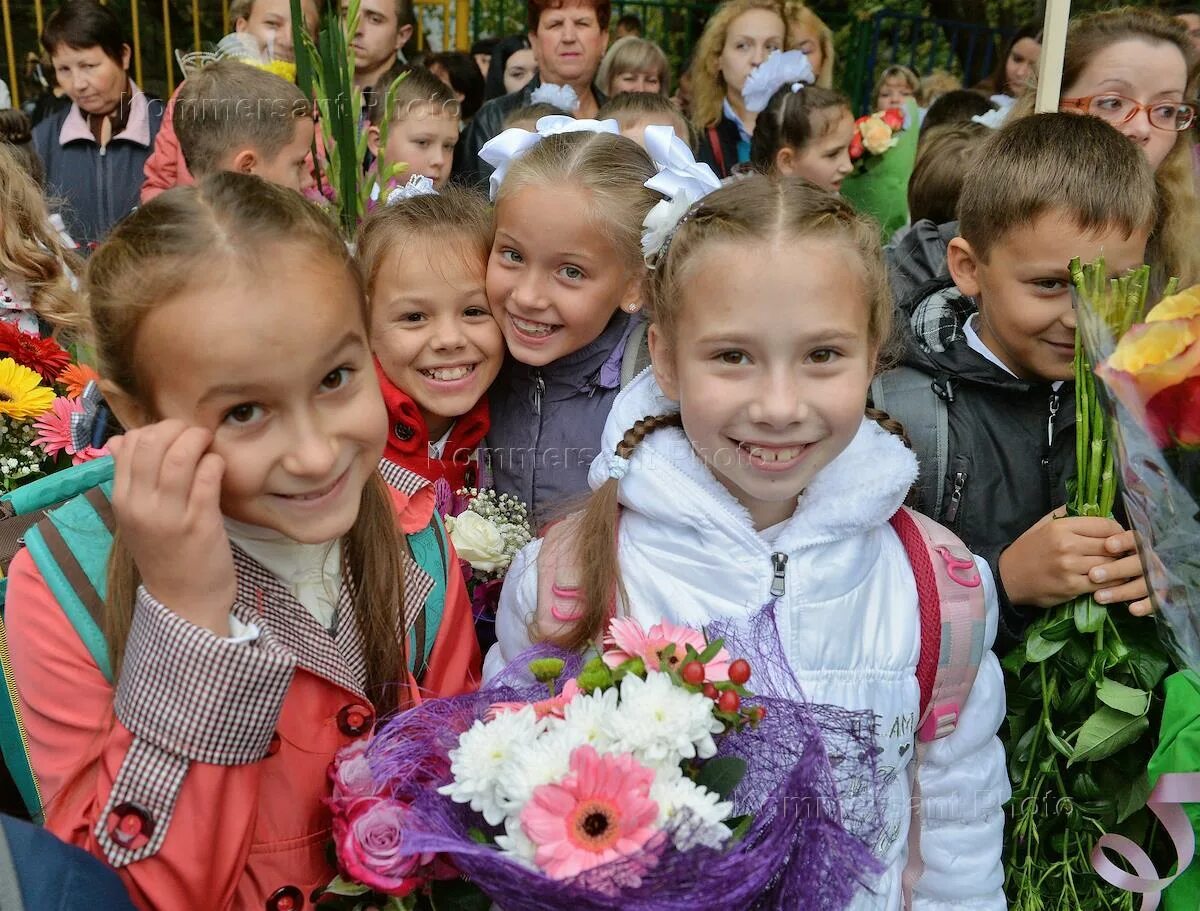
x=487, y=124
x=918, y=256
x=724, y=136
x=1011, y=442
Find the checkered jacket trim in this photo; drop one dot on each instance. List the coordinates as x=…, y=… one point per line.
x=403, y=480
x=938, y=320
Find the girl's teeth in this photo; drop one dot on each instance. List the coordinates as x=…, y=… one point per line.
x=775, y=455
x=447, y=374
x=532, y=328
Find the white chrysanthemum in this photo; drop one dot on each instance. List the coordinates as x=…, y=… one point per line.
x=661, y=723
x=675, y=793
x=516, y=844
x=542, y=761
x=587, y=718
x=482, y=758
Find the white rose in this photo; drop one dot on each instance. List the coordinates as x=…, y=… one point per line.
x=479, y=542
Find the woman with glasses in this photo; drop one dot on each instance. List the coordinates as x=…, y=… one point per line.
x=1137, y=70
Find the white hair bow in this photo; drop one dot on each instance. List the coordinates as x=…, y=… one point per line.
x=680, y=178
x=778, y=70
x=418, y=185
x=562, y=97
x=510, y=145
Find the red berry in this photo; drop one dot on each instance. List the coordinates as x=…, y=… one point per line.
x=710, y=691
x=729, y=701
x=758, y=713
x=693, y=673
x=739, y=671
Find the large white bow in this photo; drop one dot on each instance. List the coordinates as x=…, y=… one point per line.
x=779, y=69
x=510, y=145
x=680, y=178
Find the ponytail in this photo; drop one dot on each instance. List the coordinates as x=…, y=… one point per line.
x=599, y=570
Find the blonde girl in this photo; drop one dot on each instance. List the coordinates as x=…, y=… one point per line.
x=37, y=292
x=634, y=65
x=1152, y=104
x=743, y=471
x=565, y=280
x=895, y=86
x=739, y=36
x=261, y=609
x=808, y=34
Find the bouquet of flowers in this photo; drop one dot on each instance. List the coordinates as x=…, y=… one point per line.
x=487, y=534
x=883, y=149
x=645, y=777
x=40, y=392
x=1152, y=376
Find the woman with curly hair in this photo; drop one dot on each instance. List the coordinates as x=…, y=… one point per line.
x=738, y=37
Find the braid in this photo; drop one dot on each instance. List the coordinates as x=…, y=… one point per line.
x=643, y=428
x=596, y=546
x=890, y=424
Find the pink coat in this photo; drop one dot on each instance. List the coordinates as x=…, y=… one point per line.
x=201, y=775
x=166, y=168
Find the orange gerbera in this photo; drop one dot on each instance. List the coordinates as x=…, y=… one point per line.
x=76, y=377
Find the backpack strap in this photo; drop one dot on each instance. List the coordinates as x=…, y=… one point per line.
x=558, y=579
x=908, y=396
x=953, y=616
x=14, y=743
x=428, y=549
x=636, y=356
x=714, y=143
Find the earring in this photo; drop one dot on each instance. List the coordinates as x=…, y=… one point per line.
x=632, y=308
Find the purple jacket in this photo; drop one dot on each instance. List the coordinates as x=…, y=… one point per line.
x=547, y=422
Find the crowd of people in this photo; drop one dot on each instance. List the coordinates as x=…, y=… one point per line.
x=713, y=401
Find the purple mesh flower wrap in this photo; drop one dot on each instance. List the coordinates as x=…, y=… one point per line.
x=805, y=849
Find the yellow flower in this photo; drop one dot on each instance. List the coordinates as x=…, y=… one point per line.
x=1183, y=305
x=281, y=68
x=1152, y=357
x=22, y=395
x=876, y=135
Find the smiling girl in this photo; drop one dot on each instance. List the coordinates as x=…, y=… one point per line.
x=744, y=471
x=565, y=280
x=437, y=346
x=268, y=596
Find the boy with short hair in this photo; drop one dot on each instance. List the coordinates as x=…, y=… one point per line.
x=986, y=391
x=269, y=23
x=231, y=116
x=634, y=111
x=422, y=125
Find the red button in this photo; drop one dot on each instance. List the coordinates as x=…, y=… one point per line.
x=355, y=720
x=288, y=898
x=130, y=826
x=273, y=745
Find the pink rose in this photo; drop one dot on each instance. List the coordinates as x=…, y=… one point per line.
x=351, y=775
x=369, y=836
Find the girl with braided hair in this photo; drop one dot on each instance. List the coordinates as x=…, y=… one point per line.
x=743, y=470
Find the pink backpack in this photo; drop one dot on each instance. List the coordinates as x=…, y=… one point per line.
x=950, y=599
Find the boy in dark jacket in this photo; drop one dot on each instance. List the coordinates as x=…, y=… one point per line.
x=986, y=384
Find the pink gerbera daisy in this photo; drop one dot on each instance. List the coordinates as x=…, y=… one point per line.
x=599, y=812
x=626, y=639
x=54, y=427
x=554, y=706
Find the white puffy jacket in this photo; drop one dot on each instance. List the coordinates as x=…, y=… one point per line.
x=847, y=617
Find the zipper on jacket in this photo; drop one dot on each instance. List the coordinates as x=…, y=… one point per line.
x=539, y=390
x=956, y=496
x=778, y=574
x=1054, y=404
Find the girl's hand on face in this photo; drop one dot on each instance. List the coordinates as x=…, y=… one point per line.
x=166, y=497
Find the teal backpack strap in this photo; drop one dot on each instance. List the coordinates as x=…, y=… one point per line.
x=908, y=396
x=13, y=743
x=70, y=548
x=429, y=550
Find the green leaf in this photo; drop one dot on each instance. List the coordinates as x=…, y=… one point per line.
x=739, y=826
x=1038, y=649
x=1077, y=693
x=1057, y=742
x=1123, y=698
x=1106, y=732
x=722, y=775
x=1089, y=616
x=341, y=886
x=1133, y=798
x=710, y=652
x=1059, y=628
x=477, y=835
x=457, y=895
x=1014, y=660
x=1147, y=667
